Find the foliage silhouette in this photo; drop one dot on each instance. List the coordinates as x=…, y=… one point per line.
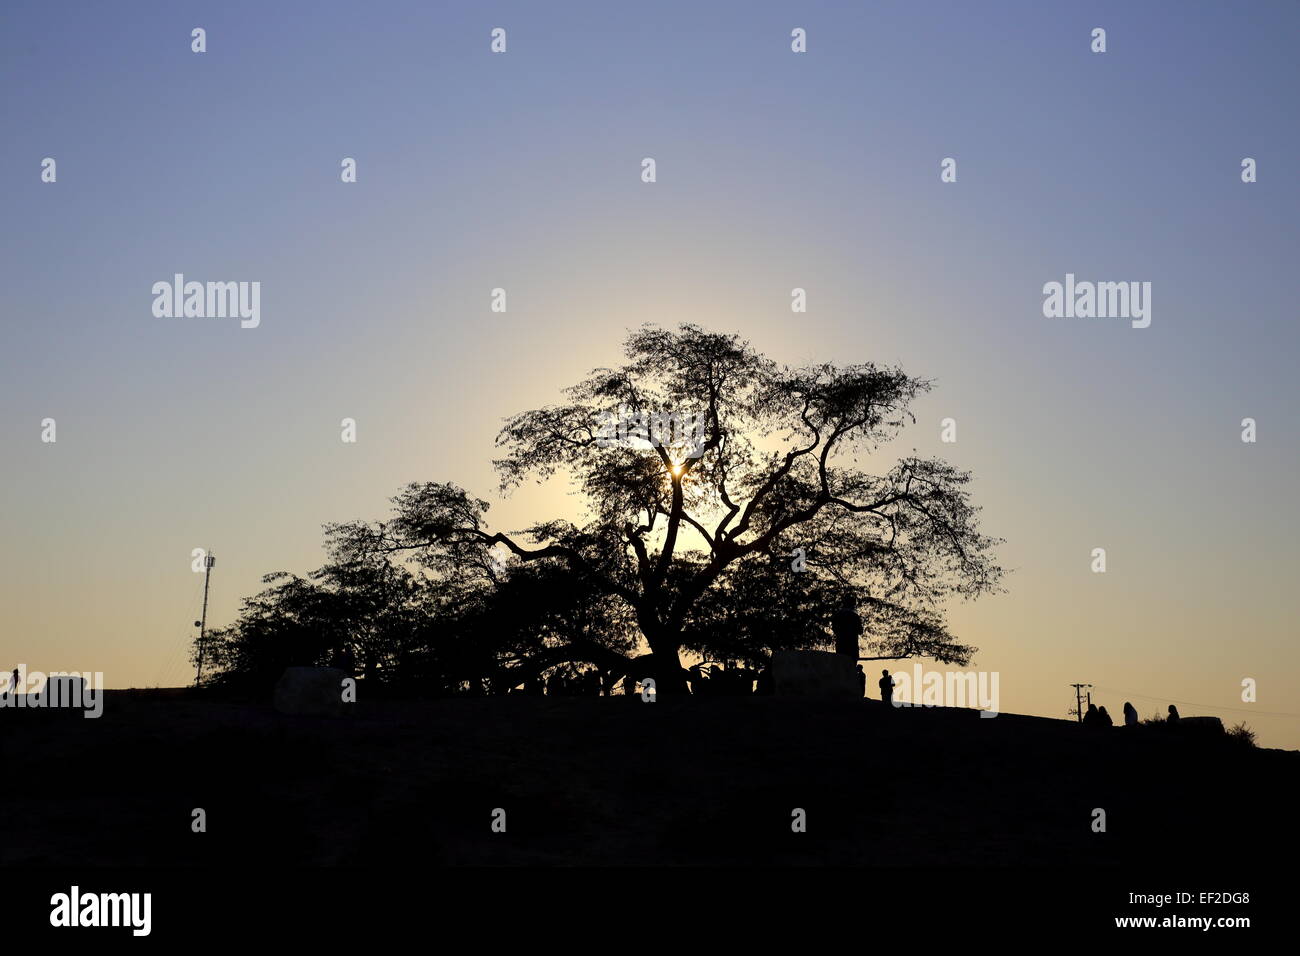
x=685, y=546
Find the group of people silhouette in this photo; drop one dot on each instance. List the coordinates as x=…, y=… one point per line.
x=886, y=684
x=1096, y=716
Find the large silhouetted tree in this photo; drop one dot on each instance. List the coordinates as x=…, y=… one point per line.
x=695, y=535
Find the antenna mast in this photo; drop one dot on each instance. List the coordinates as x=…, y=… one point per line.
x=202, y=623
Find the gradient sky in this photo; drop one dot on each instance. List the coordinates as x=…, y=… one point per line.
x=775, y=170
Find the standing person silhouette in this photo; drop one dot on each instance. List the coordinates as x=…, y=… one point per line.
x=887, y=688
x=1130, y=715
x=13, y=683
x=847, y=627
x=1173, y=711
x=862, y=680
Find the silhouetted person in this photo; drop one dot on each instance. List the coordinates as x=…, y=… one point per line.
x=862, y=679
x=1103, y=718
x=751, y=681
x=1173, y=713
x=1130, y=715
x=847, y=627
x=1090, y=717
x=13, y=683
x=887, y=688
x=699, y=682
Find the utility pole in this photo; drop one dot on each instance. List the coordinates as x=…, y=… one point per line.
x=1078, y=699
x=202, y=623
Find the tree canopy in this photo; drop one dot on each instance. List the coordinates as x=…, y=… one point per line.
x=726, y=513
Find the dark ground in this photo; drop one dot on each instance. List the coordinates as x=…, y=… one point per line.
x=617, y=781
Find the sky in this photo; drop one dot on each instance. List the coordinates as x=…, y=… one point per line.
x=775, y=170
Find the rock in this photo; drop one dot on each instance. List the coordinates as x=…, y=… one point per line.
x=1197, y=726
x=815, y=674
x=310, y=691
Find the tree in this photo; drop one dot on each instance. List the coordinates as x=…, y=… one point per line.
x=684, y=522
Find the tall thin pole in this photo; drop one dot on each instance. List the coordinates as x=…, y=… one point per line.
x=208, y=562
x=1078, y=699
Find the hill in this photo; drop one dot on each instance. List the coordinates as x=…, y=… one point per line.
x=616, y=781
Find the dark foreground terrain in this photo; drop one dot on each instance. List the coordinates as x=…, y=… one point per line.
x=618, y=781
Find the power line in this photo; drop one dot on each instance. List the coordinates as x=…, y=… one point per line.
x=175, y=654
